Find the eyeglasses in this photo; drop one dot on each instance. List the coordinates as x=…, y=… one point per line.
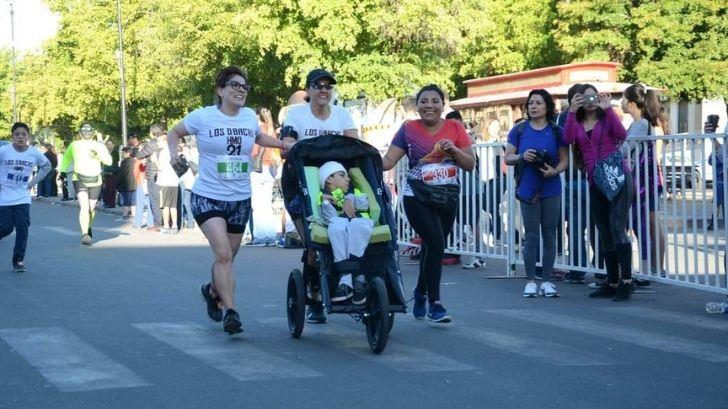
x=239, y=87
x=319, y=86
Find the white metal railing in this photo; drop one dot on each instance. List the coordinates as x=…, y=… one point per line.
x=689, y=253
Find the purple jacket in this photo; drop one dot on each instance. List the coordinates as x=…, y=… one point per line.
x=609, y=132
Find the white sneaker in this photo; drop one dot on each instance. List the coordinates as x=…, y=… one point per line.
x=548, y=290
x=470, y=262
x=531, y=290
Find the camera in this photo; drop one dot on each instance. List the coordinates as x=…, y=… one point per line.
x=591, y=98
x=713, y=120
x=542, y=158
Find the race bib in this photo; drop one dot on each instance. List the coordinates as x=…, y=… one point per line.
x=233, y=167
x=440, y=174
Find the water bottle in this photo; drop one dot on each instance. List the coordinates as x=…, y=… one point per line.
x=716, y=307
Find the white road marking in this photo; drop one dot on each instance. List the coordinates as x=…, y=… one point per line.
x=70, y=364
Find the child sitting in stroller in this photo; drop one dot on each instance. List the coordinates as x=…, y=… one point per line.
x=343, y=210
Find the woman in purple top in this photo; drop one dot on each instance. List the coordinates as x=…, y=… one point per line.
x=598, y=133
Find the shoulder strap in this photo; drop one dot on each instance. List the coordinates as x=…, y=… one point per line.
x=519, y=131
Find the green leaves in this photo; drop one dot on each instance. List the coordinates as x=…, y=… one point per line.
x=386, y=48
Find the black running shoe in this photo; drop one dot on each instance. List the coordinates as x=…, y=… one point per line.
x=231, y=324
x=213, y=309
x=604, y=291
x=641, y=283
x=315, y=314
x=624, y=291
x=86, y=240
x=19, y=266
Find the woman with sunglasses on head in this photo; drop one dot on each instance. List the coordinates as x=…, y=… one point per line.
x=598, y=133
x=315, y=118
x=220, y=201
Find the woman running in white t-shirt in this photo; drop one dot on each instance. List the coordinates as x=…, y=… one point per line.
x=220, y=200
x=317, y=117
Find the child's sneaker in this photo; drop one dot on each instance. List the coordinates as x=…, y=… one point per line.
x=419, y=310
x=342, y=293
x=360, y=291
x=438, y=314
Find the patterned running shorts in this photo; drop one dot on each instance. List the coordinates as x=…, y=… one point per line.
x=235, y=213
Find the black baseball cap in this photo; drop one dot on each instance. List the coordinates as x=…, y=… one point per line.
x=317, y=74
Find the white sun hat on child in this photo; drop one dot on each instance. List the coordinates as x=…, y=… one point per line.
x=328, y=169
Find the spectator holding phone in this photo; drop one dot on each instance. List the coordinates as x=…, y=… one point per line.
x=597, y=132
x=538, y=151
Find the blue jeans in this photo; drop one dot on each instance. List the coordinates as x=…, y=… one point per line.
x=16, y=217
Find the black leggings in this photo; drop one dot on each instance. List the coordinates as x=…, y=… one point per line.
x=433, y=227
x=611, y=220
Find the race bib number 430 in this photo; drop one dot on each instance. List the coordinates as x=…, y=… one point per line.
x=440, y=174
x=231, y=167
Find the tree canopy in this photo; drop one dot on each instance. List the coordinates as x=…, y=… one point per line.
x=385, y=48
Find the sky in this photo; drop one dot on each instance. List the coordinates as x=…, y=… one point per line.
x=34, y=23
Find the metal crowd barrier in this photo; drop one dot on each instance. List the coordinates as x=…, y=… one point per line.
x=673, y=238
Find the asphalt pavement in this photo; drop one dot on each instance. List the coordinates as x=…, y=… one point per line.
x=122, y=325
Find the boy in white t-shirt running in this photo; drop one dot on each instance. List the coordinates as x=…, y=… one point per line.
x=17, y=161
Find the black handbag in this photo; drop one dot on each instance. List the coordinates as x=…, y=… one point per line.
x=181, y=166
x=439, y=197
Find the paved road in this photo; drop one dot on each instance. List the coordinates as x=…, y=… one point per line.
x=121, y=325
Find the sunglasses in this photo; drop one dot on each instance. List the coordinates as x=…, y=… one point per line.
x=320, y=86
x=239, y=87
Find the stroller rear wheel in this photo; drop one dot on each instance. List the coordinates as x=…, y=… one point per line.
x=296, y=303
x=377, y=322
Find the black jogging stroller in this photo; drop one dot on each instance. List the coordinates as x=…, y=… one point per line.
x=384, y=288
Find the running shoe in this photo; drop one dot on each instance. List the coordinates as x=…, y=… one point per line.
x=548, y=290
x=471, y=263
x=530, y=291
x=315, y=314
x=623, y=292
x=213, y=309
x=419, y=310
x=86, y=240
x=19, y=266
x=604, y=291
x=231, y=323
x=438, y=314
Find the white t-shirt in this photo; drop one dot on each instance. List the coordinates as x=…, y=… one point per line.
x=166, y=176
x=224, y=144
x=16, y=171
x=302, y=120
